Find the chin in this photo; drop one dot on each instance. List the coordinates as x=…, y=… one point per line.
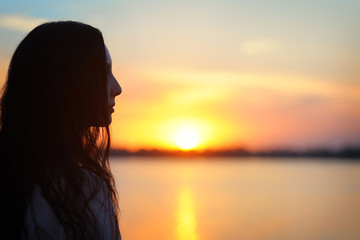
x=102, y=124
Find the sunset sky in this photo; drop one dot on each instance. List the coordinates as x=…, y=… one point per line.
x=252, y=74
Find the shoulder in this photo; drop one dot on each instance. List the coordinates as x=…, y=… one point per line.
x=96, y=190
x=101, y=205
x=41, y=220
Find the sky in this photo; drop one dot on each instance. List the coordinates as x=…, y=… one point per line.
x=237, y=74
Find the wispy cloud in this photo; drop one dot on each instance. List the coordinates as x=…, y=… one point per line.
x=20, y=23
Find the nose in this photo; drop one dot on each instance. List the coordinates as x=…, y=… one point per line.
x=118, y=89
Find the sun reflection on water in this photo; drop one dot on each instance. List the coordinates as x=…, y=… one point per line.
x=186, y=219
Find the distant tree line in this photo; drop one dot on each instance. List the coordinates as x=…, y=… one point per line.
x=352, y=153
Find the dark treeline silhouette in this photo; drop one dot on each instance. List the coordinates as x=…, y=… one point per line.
x=352, y=153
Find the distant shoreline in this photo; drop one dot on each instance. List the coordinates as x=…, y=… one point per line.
x=351, y=153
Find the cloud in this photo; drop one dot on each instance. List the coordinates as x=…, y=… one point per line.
x=257, y=47
x=20, y=23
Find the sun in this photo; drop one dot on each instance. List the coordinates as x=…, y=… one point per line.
x=186, y=138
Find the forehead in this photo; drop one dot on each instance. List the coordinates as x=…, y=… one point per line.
x=108, y=57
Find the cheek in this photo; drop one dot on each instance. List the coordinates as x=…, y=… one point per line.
x=108, y=86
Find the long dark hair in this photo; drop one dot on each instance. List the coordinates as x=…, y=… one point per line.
x=54, y=125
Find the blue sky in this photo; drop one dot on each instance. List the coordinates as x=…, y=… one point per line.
x=212, y=29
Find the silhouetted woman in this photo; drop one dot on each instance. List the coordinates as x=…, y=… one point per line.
x=54, y=137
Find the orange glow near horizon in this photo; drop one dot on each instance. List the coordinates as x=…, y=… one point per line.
x=231, y=109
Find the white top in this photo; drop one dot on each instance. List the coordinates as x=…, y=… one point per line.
x=42, y=223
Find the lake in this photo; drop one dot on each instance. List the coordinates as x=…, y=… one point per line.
x=251, y=198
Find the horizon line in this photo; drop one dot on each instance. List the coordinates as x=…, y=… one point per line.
x=345, y=152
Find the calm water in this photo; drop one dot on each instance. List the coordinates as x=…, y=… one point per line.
x=228, y=199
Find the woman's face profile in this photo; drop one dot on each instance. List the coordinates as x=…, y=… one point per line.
x=113, y=87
